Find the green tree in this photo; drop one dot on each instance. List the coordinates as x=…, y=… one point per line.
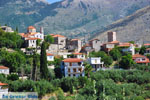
x=142, y=50
x=43, y=62
x=36, y=64
x=115, y=53
x=49, y=39
x=13, y=61
x=126, y=62
x=17, y=29
x=38, y=42
x=107, y=59
x=132, y=42
x=13, y=77
x=88, y=69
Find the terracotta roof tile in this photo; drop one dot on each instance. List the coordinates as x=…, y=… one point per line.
x=3, y=67
x=147, y=44
x=33, y=38
x=74, y=39
x=31, y=27
x=124, y=44
x=78, y=53
x=2, y=84
x=58, y=35
x=72, y=60
x=113, y=42
x=138, y=56
x=49, y=54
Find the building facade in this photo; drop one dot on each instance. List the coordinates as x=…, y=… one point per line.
x=7, y=29
x=72, y=67
x=79, y=55
x=112, y=36
x=50, y=57
x=140, y=59
x=3, y=87
x=30, y=38
x=96, y=63
x=4, y=70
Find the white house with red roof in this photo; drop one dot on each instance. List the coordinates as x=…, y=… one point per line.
x=31, y=36
x=140, y=59
x=72, y=67
x=79, y=55
x=147, y=51
x=50, y=57
x=127, y=47
x=3, y=87
x=4, y=70
x=3, y=90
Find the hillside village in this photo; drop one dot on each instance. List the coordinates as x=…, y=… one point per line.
x=65, y=57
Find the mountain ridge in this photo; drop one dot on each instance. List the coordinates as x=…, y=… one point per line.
x=132, y=28
x=75, y=18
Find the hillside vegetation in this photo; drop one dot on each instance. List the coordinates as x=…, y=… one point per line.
x=135, y=27
x=68, y=17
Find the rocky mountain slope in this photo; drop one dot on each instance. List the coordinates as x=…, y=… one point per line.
x=135, y=27
x=68, y=17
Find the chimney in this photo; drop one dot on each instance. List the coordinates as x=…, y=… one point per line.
x=41, y=30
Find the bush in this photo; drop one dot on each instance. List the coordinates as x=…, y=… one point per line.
x=13, y=77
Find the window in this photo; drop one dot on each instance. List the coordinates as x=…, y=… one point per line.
x=69, y=75
x=74, y=75
x=80, y=74
x=69, y=70
x=74, y=70
x=80, y=69
x=79, y=63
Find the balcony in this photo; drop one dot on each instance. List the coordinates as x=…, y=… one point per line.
x=3, y=90
x=74, y=66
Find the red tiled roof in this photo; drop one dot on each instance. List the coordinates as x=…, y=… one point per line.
x=74, y=39
x=138, y=56
x=58, y=35
x=3, y=67
x=21, y=34
x=113, y=42
x=148, y=49
x=33, y=38
x=49, y=54
x=147, y=44
x=72, y=60
x=78, y=53
x=2, y=84
x=124, y=45
x=31, y=27
x=94, y=40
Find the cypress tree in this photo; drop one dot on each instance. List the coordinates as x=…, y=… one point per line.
x=43, y=62
x=35, y=67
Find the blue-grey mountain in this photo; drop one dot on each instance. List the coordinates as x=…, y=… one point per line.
x=68, y=17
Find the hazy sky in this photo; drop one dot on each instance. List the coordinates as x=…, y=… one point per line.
x=52, y=1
